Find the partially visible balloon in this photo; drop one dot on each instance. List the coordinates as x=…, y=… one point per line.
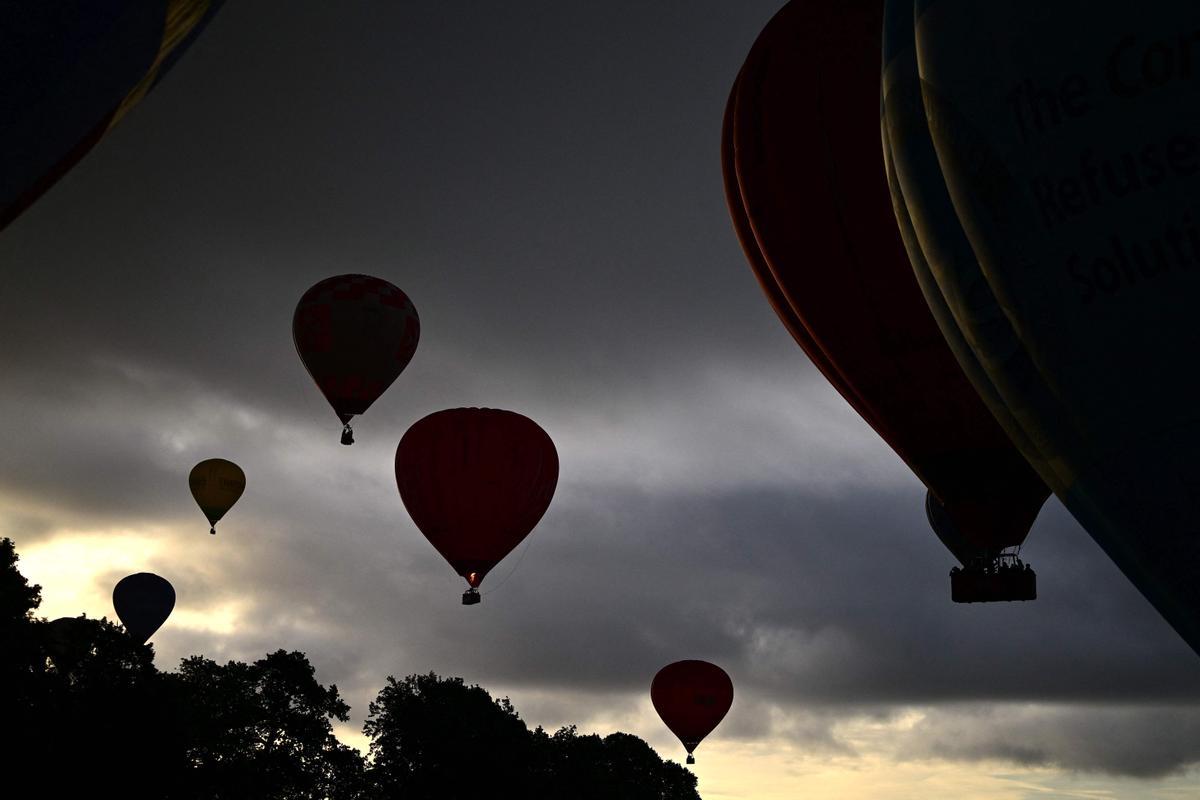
x=931, y=232
x=936, y=246
x=143, y=601
x=216, y=485
x=67, y=641
x=692, y=697
x=811, y=202
x=948, y=533
x=73, y=69
x=1067, y=136
x=476, y=481
x=355, y=335
x=745, y=233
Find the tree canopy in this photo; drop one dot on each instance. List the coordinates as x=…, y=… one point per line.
x=87, y=711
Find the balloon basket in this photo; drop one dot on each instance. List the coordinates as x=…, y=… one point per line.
x=691, y=759
x=347, y=434
x=996, y=584
x=471, y=597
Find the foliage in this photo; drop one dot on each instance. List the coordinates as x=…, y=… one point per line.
x=263, y=730
x=439, y=738
x=86, y=713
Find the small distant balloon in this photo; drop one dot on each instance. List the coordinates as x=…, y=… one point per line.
x=143, y=601
x=355, y=335
x=476, y=481
x=73, y=69
x=216, y=485
x=692, y=697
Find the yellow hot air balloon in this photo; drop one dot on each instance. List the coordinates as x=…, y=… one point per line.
x=216, y=484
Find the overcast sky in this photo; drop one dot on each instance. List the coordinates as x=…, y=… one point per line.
x=543, y=180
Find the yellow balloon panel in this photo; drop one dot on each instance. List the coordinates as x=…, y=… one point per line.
x=216, y=484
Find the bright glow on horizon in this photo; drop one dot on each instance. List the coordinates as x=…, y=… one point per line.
x=69, y=565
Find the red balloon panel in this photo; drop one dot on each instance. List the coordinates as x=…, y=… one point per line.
x=476, y=481
x=692, y=697
x=355, y=335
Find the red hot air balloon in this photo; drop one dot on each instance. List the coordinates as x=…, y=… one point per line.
x=476, y=481
x=73, y=69
x=692, y=697
x=143, y=601
x=807, y=188
x=355, y=335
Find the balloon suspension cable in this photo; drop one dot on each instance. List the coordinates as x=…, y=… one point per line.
x=511, y=572
x=347, y=434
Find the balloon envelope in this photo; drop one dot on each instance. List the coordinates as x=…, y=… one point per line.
x=949, y=534
x=143, y=601
x=476, y=481
x=216, y=485
x=67, y=640
x=941, y=256
x=692, y=697
x=808, y=176
x=1067, y=136
x=73, y=69
x=355, y=335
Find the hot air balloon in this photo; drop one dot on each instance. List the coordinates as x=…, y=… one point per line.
x=981, y=579
x=808, y=190
x=1067, y=137
x=476, y=481
x=73, y=69
x=216, y=484
x=692, y=697
x=355, y=335
x=67, y=640
x=143, y=601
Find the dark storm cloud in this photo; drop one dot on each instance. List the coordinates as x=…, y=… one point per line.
x=542, y=179
x=524, y=187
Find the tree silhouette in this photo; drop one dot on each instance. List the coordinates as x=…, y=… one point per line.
x=21, y=668
x=86, y=713
x=263, y=730
x=439, y=738
x=83, y=706
x=20, y=654
x=18, y=598
x=108, y=713
x=618, y=765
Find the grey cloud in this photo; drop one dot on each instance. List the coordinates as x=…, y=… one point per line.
x=822, y=592
x=517, y=206
x=1141, y=742
x=606, y=594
